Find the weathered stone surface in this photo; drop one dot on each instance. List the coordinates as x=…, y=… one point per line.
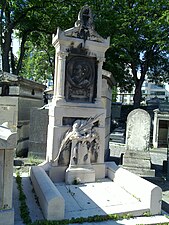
x=7, y=217
x=50, y=199
x=38, y=132
x=7, y=144
x=146, y=192
x=138, y=130
x=18, y=96
x=137, y=156
x=160, y=128
x=77, y=96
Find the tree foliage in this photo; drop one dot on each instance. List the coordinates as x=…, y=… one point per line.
x=139, y=42
x=138, y=30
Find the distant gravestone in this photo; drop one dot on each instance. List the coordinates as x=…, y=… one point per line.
x=138, y=130
x=38, y=132
x=137, y=156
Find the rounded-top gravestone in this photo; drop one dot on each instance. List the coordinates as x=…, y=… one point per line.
x=138, y=130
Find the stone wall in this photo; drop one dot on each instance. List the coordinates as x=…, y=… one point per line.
x=38, y=132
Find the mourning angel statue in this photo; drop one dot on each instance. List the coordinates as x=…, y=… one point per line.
x=82, y=142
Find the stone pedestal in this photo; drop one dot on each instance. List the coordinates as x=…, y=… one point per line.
x=75, y=175
x=138, y=163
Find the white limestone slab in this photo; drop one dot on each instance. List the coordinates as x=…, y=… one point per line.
x=98, y=198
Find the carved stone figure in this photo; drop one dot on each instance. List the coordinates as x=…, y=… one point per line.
x=81, y=143
x=81, y=75
x=84, y=143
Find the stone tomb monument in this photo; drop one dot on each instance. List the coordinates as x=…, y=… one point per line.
x=137, y=156
x=161, y=125
x=76, y=130
x=17, y=96
x=65, y=182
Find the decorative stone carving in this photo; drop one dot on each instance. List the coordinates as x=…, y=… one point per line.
x=82, y=142
x=84, y=27
x=7, y=77
x=80, y=79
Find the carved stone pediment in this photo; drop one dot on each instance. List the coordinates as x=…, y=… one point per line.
x=84, y=28
x=8, y=77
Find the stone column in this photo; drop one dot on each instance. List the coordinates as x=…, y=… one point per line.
x=60, y=77
x=7, y=144
x=99, y=80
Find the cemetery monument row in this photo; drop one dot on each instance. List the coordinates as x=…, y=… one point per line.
x=76, y=130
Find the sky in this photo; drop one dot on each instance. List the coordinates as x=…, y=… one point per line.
x=15, y=46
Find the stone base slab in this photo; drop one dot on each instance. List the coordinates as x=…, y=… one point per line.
x=7, y=217
x=142, y=172
x=79, y=175
x=138, y=163
x=100, y=170
x=146, y=192
x=57, y=173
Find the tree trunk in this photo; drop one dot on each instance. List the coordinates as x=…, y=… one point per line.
x=137, y=95
x=5, y=51
x=6, y=40
x=12, y=61
x=5, y=59
x=22, y=51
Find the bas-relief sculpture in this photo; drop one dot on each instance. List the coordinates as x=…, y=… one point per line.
x=81, y=70
x=80, y=83
x=81, y=142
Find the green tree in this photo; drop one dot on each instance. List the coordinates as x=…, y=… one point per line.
x=139, y=42
x=38, y=62
x=30, y=18
x=138, y=31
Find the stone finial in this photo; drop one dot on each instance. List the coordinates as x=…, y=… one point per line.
x=85, y=18
x=84, y=27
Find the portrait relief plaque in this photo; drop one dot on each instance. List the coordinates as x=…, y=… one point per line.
x=80, y=83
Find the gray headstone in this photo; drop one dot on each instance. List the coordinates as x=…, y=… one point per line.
x=137, y=156
x=138, y=130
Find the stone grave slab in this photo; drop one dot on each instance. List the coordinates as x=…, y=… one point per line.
x=94, y=198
